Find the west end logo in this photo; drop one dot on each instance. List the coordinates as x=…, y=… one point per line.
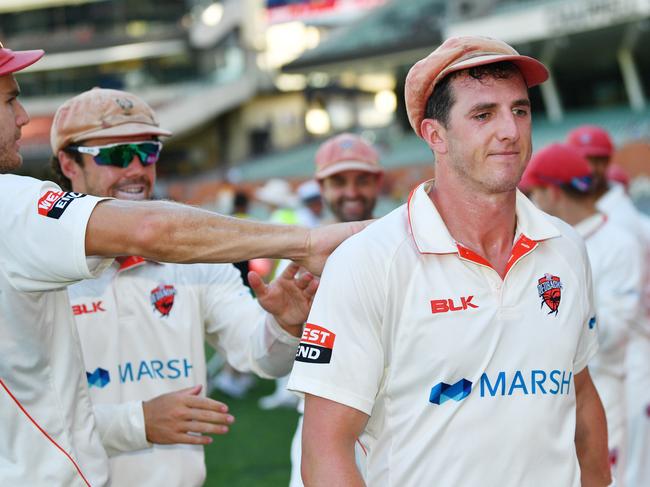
x=162, y=298
x=549, y=288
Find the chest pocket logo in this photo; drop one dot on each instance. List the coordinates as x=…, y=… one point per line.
x=162, y=299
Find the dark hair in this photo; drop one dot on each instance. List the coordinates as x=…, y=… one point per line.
x=575, y=193
x=442, y=99
x=55, y=165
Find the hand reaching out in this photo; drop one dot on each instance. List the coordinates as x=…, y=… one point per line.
x=288, y=298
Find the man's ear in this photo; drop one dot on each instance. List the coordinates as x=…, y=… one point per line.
x=435, y=135
x=69, y=166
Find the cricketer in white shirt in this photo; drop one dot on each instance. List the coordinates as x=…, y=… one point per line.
x=467, y=379
x=48, y=434
x=143, y=326
x=616, y=264
x=620, y=209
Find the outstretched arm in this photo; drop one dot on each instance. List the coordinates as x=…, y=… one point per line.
x=171, y=232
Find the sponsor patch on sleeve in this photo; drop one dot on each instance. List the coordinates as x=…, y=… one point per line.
x=316, y=345
x=54, y=203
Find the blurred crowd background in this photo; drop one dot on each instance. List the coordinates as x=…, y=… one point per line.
x=251, y=87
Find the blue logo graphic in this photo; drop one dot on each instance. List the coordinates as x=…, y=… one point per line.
x=442, y=392
x=100, y=378
x=514, y=383
x=592, y=322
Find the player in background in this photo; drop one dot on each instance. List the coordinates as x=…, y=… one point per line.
x=350, y=176
x=143, y=324
x=53, y=238
x=596, y=145
x=559, y=181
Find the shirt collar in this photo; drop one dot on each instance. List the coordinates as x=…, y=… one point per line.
x=129, y=262
x=431, y=235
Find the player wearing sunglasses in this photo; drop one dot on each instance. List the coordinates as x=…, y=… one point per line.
x=52, y=239
x=121, y=154
x=155, y=317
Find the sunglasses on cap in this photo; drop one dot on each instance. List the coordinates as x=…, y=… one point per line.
x=121, y=155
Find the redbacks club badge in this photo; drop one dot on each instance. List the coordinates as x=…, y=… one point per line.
x=162, y=298
x=549, y=289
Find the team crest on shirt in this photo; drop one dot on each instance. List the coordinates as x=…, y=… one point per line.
x=162, y=298
x=549, y=289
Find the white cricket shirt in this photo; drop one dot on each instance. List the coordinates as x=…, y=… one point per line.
x=616, y=265
x=143, y=328
x=619, y=208
x=467, y=378
x=42, y=250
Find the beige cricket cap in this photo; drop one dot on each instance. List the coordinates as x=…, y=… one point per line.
x=455, y=54
x=101, y=112
x=346, y=152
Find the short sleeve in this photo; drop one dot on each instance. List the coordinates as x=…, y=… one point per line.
x=341, y=356
x=588, y=339
x=43, y=234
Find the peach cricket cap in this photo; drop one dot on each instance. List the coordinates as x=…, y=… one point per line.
x=346, y=152
x=102, y=112
x=455, y=54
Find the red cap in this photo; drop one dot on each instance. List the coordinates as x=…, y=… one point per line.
x=557, y=165
x=455, y=54
x=591, y=141
x=12, y=61
x=346, y=152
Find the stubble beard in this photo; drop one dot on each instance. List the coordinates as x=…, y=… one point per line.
x=9, y=161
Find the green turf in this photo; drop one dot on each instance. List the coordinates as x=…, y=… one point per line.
x=255, y=453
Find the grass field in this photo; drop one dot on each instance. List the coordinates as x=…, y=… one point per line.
x=255, y=453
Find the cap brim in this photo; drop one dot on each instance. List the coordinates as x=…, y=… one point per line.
x=123, y=130
x=348, y=166
x=533, y=71
x=20, y=60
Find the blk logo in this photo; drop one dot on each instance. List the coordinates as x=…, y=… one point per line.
x=99, y=378
x=443, y=392
x=85, y=309
x=447, y=305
